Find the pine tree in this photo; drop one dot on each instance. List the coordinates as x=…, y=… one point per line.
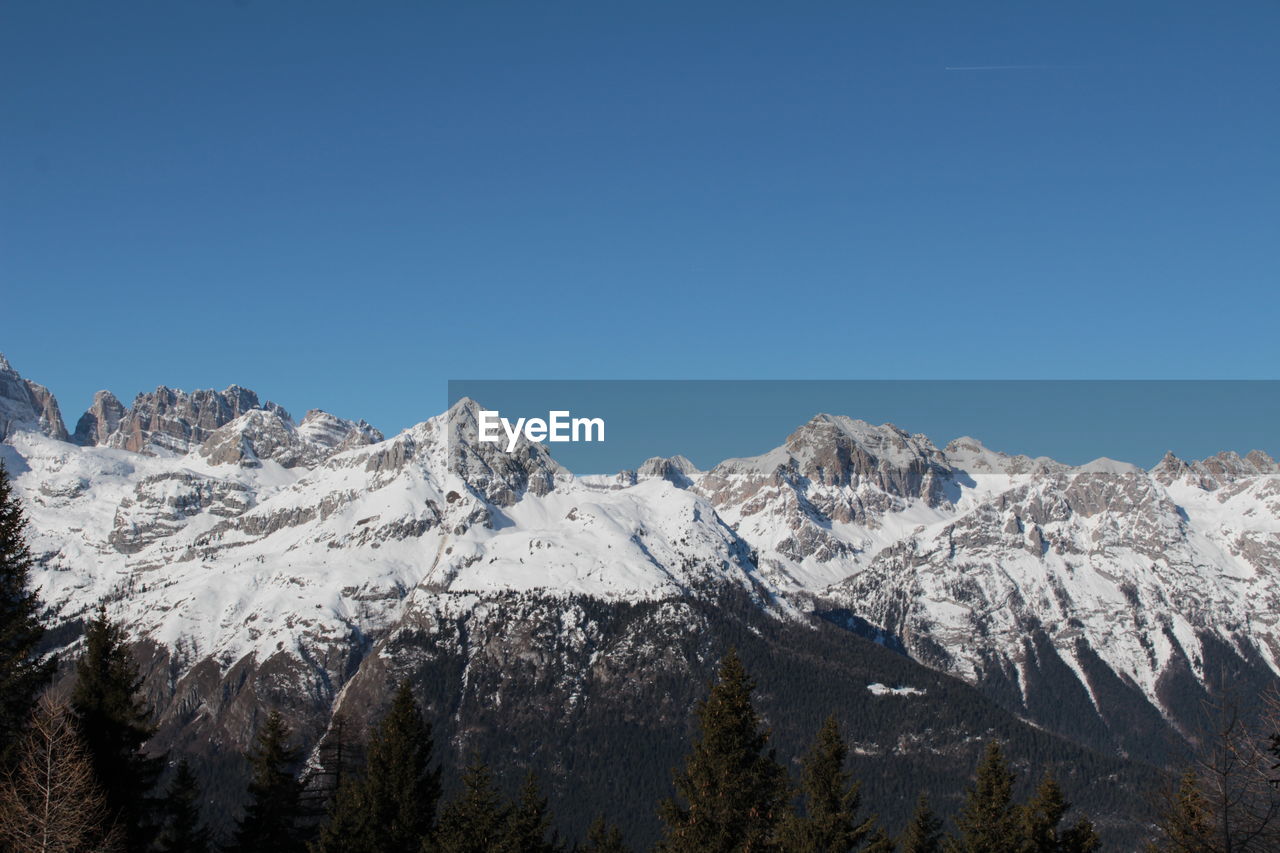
x=22, y=674
x=183, y=831
x=831, y=802
x=270, y=823
x=732, y=793
x=1040, y=820
x=115, y=723
x=50, y=801
x=391, y=806
x=604, y=838
x=988, y=822
x=924, y=832
x=476, y=821
x=530, y=822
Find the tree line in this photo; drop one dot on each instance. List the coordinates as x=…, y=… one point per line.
x=75, y=776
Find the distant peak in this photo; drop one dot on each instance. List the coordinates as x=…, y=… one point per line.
x=465, y=404
x=1106, y=465
x=27, y=405
x=674, y=469
x=1261, y=460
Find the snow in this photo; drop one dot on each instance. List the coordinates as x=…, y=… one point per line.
x=878, y=689
x=236, y=561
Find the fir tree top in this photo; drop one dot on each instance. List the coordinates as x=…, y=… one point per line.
x=733, y=792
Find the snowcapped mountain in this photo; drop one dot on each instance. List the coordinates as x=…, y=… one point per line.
x=1072, y=594
x=266, y=562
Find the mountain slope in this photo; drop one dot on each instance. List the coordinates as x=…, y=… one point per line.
x=264, y=563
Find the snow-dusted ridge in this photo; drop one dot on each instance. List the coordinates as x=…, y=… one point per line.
x=215, y=524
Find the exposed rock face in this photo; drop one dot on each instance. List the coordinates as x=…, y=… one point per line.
x=499, y=477
x=851, y=465
x=337, y=434
x=833, y=470
x=969, y=454
x=676, y=470
x=1100, y=601
x=1215, y=472
x=173, y=421
x=257, y=435
x=50, y=419
x=101, y=420
x=261, y=434
x=27, y=405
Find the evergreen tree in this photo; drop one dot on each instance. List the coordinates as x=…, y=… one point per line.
x=988, y=822
x=391, y=806
x=270, y=823
x=530, y=822
x=732, y=793
x=22, y=674
x=1040, y=824
x=183, y=831
x=476, y=821
x=924, y=832
x=115, y=723
x=604, y=838
x=831, y=802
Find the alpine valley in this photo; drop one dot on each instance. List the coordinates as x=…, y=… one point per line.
x=932, y=597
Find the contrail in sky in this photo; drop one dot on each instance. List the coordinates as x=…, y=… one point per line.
x=1005, y=67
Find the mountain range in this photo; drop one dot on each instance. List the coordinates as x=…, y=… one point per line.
x=930, y=596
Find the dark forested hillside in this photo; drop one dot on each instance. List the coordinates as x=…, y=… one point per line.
x=599, y=705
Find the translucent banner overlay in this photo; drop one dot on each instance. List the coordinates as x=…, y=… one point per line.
x=1072, y=421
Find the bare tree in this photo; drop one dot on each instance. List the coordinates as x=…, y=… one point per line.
x=51, y=802
x=1226, y=802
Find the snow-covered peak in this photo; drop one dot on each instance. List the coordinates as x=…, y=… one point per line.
x=27, y=405
x=1104, y=465
x=210, y=521
x=1222, y=469
x=258, y=435
x=972, y=456
x=325, y=430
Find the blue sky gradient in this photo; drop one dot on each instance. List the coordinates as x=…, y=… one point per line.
x=344, y=205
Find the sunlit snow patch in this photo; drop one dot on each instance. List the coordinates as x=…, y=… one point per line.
x=881, y=690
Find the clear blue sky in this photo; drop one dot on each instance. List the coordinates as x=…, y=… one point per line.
x=343, y=205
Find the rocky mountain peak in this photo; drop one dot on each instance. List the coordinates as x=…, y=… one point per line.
x=1262, y=462
x=102, y=418
x=1170, y=469
x=835, y=450
x=969, y=454
x=1214, y=472
x=170, y=420
x=677, y=470
x=256, y=435
x=320, y=427
x=27, y=405
x=269, y=433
